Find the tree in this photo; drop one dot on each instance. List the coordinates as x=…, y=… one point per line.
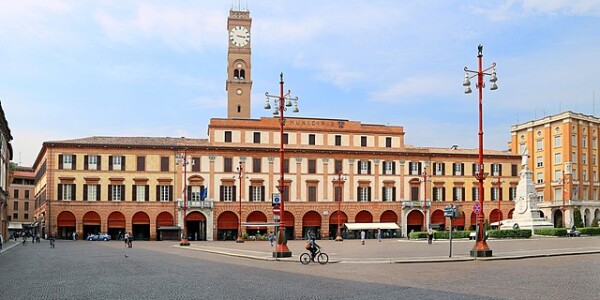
x=578, y=222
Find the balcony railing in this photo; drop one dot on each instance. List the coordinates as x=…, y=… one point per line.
x=414, y=204
x=197, y=204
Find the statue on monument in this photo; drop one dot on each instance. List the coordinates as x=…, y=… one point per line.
x=524, y=158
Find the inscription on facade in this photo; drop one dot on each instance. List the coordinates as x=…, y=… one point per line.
x=316, y=123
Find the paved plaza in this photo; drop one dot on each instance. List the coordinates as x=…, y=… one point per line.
x=163, y=270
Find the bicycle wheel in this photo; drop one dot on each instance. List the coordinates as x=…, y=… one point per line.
x=323, y=258
x=305, y=258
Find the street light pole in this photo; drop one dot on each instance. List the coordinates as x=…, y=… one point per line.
x=340, y=182
x=562, y=208
x=481, y=248
x=425, y=198
x=240, y=177
x=499, y=182
x=184, y=240
x=281, y=102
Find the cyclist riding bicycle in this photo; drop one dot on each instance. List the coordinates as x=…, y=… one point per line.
x=314, y=248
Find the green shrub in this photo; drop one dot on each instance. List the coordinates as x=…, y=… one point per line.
x=444, y=235
x=551, y=231
x=590, y=230
x=577, y=218
x=510, y=234
x=417, y=235
x=595, y=222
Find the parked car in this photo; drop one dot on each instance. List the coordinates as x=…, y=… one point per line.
x=99, y=237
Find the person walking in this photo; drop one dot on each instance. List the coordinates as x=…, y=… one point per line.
x=126, y=238
x=271, y=238
x=1, y=242
x=362, y=236
x=379, y=234
x=429, y=236
x=74, y=235
x=52, y=241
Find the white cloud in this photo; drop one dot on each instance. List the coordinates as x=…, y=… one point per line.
x=413, y=88
x=32, y=19
x=179, y=27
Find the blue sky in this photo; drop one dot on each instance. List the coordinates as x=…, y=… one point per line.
x=73, y=69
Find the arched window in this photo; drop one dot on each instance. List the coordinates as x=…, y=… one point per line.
x=236, y=74
x=242, y=74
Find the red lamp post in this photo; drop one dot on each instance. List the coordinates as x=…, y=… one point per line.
x=425, y=199
x=184, y=240
x=240, y=177
x=340, y=181
x=481, y=248
x=282, y=102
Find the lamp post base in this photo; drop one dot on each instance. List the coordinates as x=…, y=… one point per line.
x=339, y=238
x=282, y=250
x=184, y=242
x=481, y=249
x=239, y=240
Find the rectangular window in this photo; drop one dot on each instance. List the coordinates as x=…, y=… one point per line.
x=388, y=194
x=141, y=193
x=92, y=162
x=364, y=167
x=15, y=216
x=117, y=192
x=26, y=206
x=92, y=192
x=16, y=194
x=388, y=142
x=337, y=193
x=573, y=140
x=286, y=166
x=574, y=157
x=584, y=159
x=557, y=175
x=257, y=193
x=438, y=194
x=458, y=169
x=594, y=176
x=227, y=193
x=312, y=193
x=584, y=174
x=311, y=139
x=117, y=162
x=414, y=168
x=256, y=165
x=286, y=139
x=475, y=191
x=594, y=143
x=557, y=141
x=584, y=142
x=66, y=192
x=364, y=194
x=141, y=164
x=312, y=166
x=539, y=177
x=227, y=164
x=539, y=145
x=389, y=168
x=227, y=136
x=438, y=169
x=574, y=174
x=164, y=164
x=557, y=158
x=67, y=162
x=195, y=164
x=512, y=193
x=594, y=159
x=539, y=161
x=458, y=194
x=363, y=141
x=338, y=140
x=16, y=205
x=165, y=193
x=26, y=216
x=513, y=170
x=414, y=193
x=338, y=166
x=495, y=194
x=256, y=138
x=194, y=193
x=26, y=194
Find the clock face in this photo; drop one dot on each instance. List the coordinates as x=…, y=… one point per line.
x=239, y=36
x=521, y=205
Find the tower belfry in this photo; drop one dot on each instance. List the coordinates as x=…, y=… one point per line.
x=239, y=79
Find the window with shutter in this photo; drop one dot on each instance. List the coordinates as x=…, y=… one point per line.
x=164, y=164
x=256, y=165
x=141, y=163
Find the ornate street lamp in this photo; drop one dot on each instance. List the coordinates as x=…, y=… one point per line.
x=182, y=159
x=240, y=170
x=426, y=215
x=281, y=103
x=481, y=248
x=499, y=182
x=340, y=182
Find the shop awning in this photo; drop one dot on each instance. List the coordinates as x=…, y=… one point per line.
x=15, y=225
x=361, y=226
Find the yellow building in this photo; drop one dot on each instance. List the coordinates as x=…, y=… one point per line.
x=21, y=205
x=563, y=151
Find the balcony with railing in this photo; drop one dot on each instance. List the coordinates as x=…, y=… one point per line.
x=197, y=204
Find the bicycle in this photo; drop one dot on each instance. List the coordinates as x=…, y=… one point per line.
x=322, y=257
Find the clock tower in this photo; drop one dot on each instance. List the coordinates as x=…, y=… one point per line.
x=239, y=79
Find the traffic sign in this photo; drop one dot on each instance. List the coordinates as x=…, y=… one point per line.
x=477, y=207
x=276, y=199
x=276, y=218
x=276, y=210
